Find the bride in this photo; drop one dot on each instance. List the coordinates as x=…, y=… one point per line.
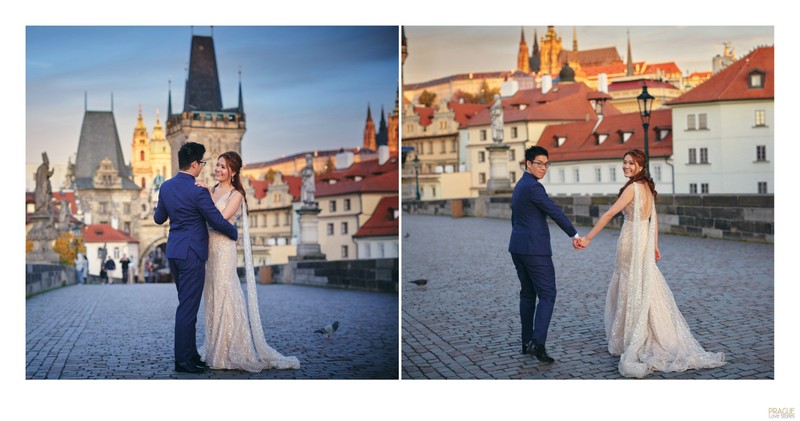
x=643, y=324
x=232, y=341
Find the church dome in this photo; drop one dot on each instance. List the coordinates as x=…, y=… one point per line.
x=566, y=74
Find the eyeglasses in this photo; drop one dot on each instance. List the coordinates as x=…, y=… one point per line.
x=541, y=164
x=203, y=162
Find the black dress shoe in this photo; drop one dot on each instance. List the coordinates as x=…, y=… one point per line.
x=526, y=347
x=540, y=353
x=200, y=363
x=188, y=367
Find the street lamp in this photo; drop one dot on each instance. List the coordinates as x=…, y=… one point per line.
x=645, y=101
x=416, y=172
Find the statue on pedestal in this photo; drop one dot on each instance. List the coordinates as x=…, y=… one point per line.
x=497, y=120
x=308, y=188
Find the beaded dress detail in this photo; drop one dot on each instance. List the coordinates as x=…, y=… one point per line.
x=643, y=324
x=234, y=337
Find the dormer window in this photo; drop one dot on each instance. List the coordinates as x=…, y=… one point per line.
x=560, y=140
x=756, y=79
x=601, y=137
x=661, y=132
x=624, y=136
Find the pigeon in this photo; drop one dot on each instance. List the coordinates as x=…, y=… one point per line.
x=420, y=282
x=329, y=330
x=407, y=235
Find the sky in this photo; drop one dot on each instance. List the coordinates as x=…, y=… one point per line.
x=304, y=88
x=439, y=51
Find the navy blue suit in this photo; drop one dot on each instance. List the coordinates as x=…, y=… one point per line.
x=188, y=207
x=530, y=250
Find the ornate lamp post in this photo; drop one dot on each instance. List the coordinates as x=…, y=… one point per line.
x=416, y=173
x=645, y=101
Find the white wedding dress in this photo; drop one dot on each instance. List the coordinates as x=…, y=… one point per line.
x=643, y=324
x=234, y=338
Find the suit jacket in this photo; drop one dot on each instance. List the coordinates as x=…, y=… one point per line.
x=530, y=207
x=188, y=208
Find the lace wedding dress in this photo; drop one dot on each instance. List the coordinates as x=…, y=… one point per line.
x=234, y=338
x=643, y=324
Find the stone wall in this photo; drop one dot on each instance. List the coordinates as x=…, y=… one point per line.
x=731, y=217
x=43, y=277
x=380, y=275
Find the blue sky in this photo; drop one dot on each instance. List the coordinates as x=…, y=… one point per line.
x=438, y=51
x=304, y=88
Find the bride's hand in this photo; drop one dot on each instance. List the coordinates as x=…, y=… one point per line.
x=583, y=242
x=203, y=185
x=658, y=255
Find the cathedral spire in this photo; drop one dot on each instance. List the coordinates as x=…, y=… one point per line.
x=369, y=132
x=523, y=62
x=629, y=71
x=574, y=40
x=535, y=59
x=240, y=110
x=382, y=138
x=169, y=99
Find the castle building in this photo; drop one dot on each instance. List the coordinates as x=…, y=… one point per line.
x=203, y=119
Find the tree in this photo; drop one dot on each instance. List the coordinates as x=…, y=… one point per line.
x=67, y=246
x=426, y=98
x=270, y=175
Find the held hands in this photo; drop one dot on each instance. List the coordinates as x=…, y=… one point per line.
x=581, y=243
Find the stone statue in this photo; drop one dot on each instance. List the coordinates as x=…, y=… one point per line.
x=44, y=191
x=308, y=189
x=497, y=120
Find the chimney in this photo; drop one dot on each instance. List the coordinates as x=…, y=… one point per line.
x=509, y=88
x=602, y=83
x=344, y=159
x=383, y=154
x=547, y=83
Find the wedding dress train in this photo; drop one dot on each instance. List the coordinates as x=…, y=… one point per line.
x=234, y=337
x=644, y=326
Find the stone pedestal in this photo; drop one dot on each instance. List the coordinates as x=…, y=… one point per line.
x=498, y=169
x=42, y=234
x=308, y=245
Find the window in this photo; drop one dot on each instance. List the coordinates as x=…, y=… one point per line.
x=276, y=198
x=704, y=188
x=577, y=175
x=756, y=79
x=560, y=141
x=443, y=148
x=433, y=192
x=421, y=148
x=601, y=137
x=512, y=176
x=141, y=155
x=483, y=135
x=430, y=147
x=347, y=204
x=344, y=252
x=612, y=174
x=690, y=122
x=482, y=178
x=693, y=188
x=344, y=227
x=330, y=229
x=126, y=208
x=702, y=121
x=116, y=252
x=287, y=218
x=513, y=132
x=127, y=227
x=442, y=125
x=453, y=145
x=761, y=153
x=429, y=168
x=761, y=118
x=657, y=172
x=143, y=182
x=692, y=155
x=277, y=220
x=562, y=177
x=381, y=252
x=512, y=155
x=332, y=206
x=598, y=174
x=103, y=207
x=762, y=187
x=409, y=128
x=704, y=155
x=481, y=156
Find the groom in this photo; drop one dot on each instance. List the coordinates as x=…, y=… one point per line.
x=530, y=250
x=188, y=207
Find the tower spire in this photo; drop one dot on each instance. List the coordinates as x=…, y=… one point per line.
x=574, y=39
x=629, y=71
x=523, y=62
x=169, y=98
x=240, y=110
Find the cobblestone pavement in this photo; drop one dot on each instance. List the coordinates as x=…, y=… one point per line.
x=464, y=324
x=126, y=332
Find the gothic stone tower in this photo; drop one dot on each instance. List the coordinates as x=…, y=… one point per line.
x=551, y=48
x=140, y=154
x=203, y=120
x=369, y=132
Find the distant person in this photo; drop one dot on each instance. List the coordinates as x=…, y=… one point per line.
x=148, y=270
x=125, y=264
x=80, y=268
x=108, y=266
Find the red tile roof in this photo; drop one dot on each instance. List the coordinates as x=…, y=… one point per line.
x=104, y=233
x=383, y=222
x=610, y=69
x=386, y=182
x=261, y=186
x=361, y=169
x=581, y=143
x=425, y=115
x=564, y=102
x=732, y=83
x=463, y=113
x=666, y=68
x=69, y=196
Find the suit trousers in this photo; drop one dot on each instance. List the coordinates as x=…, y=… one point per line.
x=537, y=278
x=189, y=275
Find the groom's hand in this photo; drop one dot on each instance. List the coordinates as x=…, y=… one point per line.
x=576, y=243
